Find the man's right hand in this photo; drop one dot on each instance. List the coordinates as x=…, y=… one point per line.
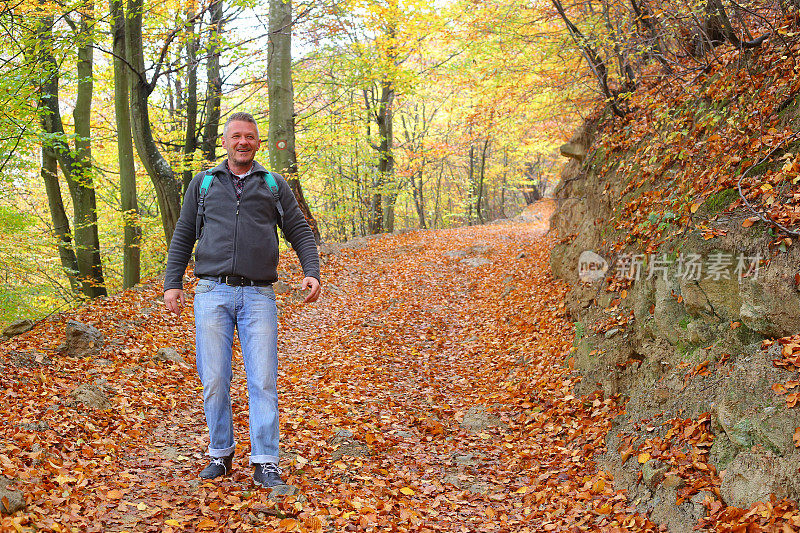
x=174, y=300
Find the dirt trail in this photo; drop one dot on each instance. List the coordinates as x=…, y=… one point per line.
x=427, y=391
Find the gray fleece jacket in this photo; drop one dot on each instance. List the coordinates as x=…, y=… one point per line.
x=239, y=237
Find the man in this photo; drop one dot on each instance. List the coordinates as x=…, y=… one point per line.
x=236, y=262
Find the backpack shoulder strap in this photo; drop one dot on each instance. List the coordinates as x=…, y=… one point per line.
x=208, y=179
x=206, y=183
x=272, y=185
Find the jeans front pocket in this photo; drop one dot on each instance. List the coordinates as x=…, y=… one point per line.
x=267, y=291
x=204, y=285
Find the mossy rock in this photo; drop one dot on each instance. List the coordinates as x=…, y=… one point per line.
x=718, y=201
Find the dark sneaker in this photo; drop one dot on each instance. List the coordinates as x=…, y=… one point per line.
x=267, y=475
x=219, y=466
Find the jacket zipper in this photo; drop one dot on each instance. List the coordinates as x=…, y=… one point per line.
x=235, y=226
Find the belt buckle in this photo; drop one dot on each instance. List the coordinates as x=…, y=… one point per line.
x=235, y=281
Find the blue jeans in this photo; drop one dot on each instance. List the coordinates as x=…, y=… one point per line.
x=218, y=309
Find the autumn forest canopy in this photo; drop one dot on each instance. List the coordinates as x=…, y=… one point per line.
x=382, y=114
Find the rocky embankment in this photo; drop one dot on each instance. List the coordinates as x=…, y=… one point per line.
x=685, y=332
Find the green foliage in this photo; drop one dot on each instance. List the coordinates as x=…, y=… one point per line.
x=580, y=332
x=14, y=221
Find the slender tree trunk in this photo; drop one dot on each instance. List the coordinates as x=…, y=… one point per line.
x=80, y=179
x=131, y=263
x=50, y=116
x=471, y=187
x=386, y=162
x=596, y=63
x=190, y=143
x=479, y=195
x=281, y=135
x=158, y=168
x=645, y=16
x=384, y=118
x=214, y=84
x=61, y=229
x=419, y=200
x=76, y=168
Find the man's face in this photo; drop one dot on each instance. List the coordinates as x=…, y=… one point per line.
x=241, y=142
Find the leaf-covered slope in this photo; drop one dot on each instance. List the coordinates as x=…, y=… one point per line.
x=694, y=139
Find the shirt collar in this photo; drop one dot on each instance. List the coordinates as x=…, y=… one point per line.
x=241, y=176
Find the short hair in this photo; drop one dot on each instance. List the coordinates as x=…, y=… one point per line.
x=239, y=116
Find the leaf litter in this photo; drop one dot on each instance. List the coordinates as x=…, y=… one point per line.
x=420, y=394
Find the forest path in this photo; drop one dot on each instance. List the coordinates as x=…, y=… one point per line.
x=426, y=391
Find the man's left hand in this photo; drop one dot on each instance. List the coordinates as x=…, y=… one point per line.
x=313, y=284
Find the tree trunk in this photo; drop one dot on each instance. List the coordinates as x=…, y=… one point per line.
x=596, y=63
x=281, y=135
x=214, y=84
x=61, y=230
x=76, y=168
x=384, y=118
x=131, y=263
x=190, y=143
x=419, y=199
x=645, y=16
x=479, y=196
x=471, y=188
x=158, y=168
x=80, y=179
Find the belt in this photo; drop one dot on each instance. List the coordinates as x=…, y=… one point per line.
x=237, y=281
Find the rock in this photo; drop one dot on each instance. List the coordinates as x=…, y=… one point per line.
x=573, y=151
x=455, y=254
x=610, y=333
x=653, y=473
x=346, y=444
x=662, y=395
x=479, y=249
x=82, y=340
x=91, y=395
x=284, y=490
x=281, y=287
x=18, y=327
x=698, y=332
x=668, y=313
x=40, y=426
x=466, y=459
x=341, y=436
x=770, y=306
x=673, y=481
x=15, y=499
x=755, y=475
x=465, y=482
x=477, y=419
x=169, y=355
x=475, y=261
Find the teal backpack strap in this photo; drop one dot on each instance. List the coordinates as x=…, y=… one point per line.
x=272, y=185
x=208, y=179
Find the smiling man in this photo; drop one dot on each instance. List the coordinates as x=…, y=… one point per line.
x=233, y=211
